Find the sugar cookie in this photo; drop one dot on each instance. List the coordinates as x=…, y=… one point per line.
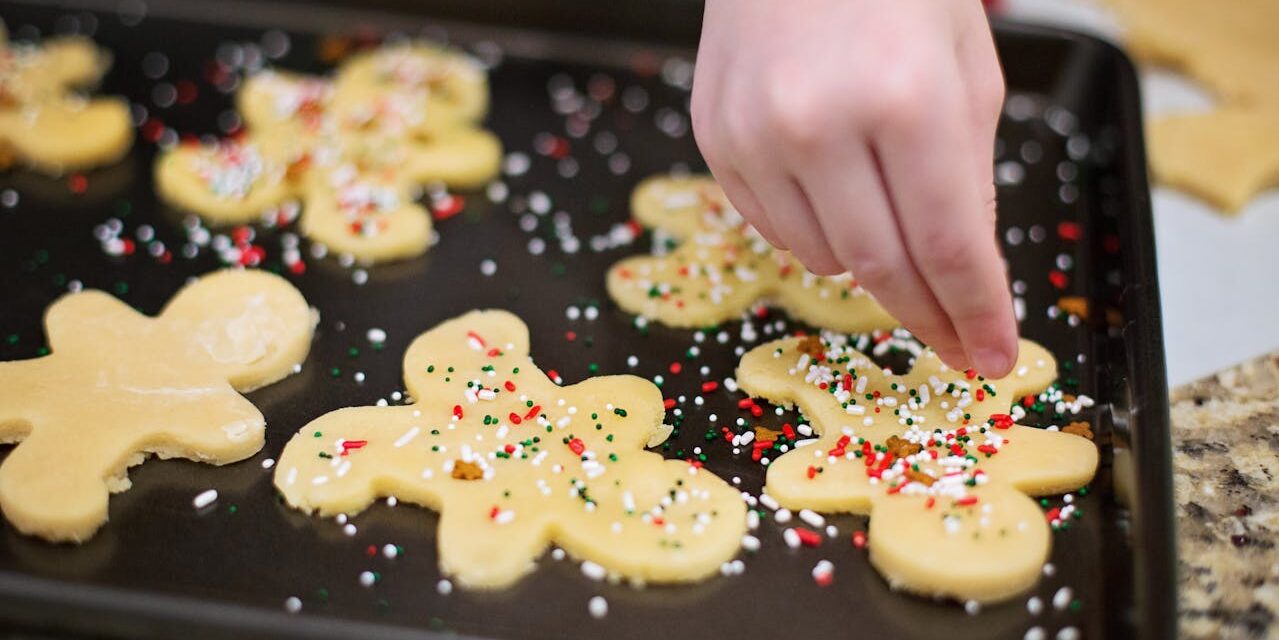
x=723, y=267
x=514, y=462
x=120, y=386
x=355, y=150
x=1226, y=155
x=943, y=476
x=42, y=123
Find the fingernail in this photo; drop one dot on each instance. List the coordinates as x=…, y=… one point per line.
x=992, y=363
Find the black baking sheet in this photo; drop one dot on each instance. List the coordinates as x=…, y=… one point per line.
x=1070, y=152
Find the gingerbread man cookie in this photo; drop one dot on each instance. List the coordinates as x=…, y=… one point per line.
x=944, y=475
x=1226, y=155
x=43, y=124
x=514, y=462
x=723, y=267
x=120, y=386
x=355, y=150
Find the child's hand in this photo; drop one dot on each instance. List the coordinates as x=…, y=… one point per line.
x=859, y=134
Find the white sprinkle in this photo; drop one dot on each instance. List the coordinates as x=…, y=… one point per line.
x=205, y=498
x=782, y=516
x=822, y=571
x=488, y=267
x=1034, y=605
x=1068, y=633
x=1062, y=598
x=349, y=529
x=791, y=537
x=812, y=518
x=769, y=501
x=750, y=543
x=598, y=607
x=268, y=463
x=593, y=571
x=376, y=336
x=407, y=437
x=292, y=604
x=972, y=607
x=1035, y=633
x=391, y=501
x=390, y=551
x=367, y=578
x=444, y=587
x=1049, y=569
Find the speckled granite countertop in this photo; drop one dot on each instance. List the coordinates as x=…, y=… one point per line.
x=1226, y=456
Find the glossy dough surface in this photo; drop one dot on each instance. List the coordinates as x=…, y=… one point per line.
x=722, y=267
x=119, y=386
x=943, y=473
x=514, y=462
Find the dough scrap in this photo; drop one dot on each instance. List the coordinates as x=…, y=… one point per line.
x=930, y=533
x=1227, y=155
x=723, y=266
x=119, y=386
x=46, y=126
x=355, y=149
x=563, y=465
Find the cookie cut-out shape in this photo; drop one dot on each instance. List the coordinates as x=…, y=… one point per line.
x=1226, y=155
x=931, y=456
x=514, y=462
x=119, y=386
x=355, y=150
x=43, y=123
x=722, y=267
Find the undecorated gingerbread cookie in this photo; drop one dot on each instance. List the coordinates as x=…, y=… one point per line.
x=723, y=266
x=43, y=124
x=943, y=472
x=1225, y=155
x=356, y=150
x=120, y=386
x=514, y=462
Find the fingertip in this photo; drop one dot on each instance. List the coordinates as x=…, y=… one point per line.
x=995, y=361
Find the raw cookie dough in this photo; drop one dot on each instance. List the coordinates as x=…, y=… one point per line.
x=356, y=150
x=957, y=525
x=42, y=123
x=723, y=266
x=119, y=386
x=514, y=462
x=1227, y=155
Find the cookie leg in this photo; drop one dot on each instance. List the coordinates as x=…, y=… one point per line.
x=54, y=491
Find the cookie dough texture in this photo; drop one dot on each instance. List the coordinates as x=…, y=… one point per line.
x=722, y=267
x=1226, y=155
x=43, y=123
x=514, y=463
x=958, y=525
x=355, y=149
x=119, y=386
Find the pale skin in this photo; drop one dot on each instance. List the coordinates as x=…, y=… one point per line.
x=859, y=135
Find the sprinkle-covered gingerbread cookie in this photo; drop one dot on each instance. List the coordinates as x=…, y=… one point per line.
x=355, y=150
x=43, y=124
x=513, y=462
x=931, y=455
x=722, y=267
x=119, y=386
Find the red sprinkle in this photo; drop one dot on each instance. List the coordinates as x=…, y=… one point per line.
x=514, y=418
x=448, y=206
x=676, y=368
x=859, y=539
x=457, y=411
x=577, y=446
x=709, y=386
x=669, y=403
x=808, y=537
x=966, y=501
